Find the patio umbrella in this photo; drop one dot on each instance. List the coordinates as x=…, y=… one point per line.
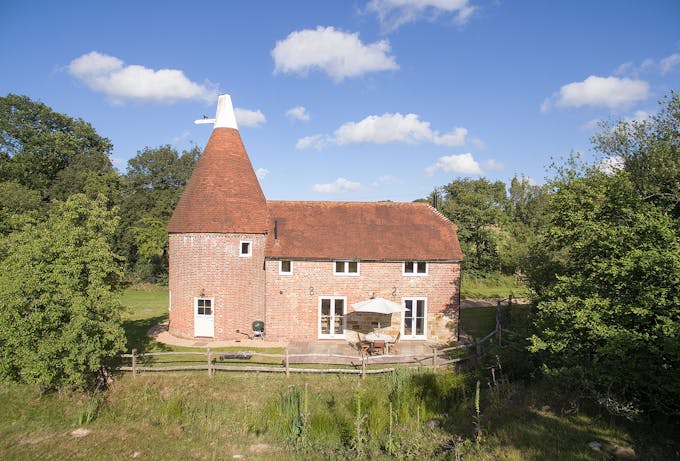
x=378, y=305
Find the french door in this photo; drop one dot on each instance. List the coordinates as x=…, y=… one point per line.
x=332, y=316
x=414, y=325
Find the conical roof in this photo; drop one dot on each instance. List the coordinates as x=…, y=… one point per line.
x=223, y=194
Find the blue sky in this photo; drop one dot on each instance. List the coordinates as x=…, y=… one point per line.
x=364, y=100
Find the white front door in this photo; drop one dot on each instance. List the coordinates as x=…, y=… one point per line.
x=332, y=317
x=415, y=317
x=204, y=317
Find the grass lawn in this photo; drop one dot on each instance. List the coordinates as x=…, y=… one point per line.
x=144, y=308
x=480, y=321
x=494, y=286
x=410, y=414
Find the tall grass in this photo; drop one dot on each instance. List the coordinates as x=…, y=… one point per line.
x=492, y=286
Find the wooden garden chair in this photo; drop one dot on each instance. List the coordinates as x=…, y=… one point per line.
x=393, y=346
x=363, y=346
x=378, y=346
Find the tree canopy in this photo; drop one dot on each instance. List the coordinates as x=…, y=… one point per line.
x=59, y=311
x=606, y=269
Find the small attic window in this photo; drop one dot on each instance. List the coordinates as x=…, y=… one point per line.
x=286, y=267
x=246, y=248
x=345, y=267
x=415, y=268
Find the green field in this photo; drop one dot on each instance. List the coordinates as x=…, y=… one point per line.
x=493, y=286
x=411, y=414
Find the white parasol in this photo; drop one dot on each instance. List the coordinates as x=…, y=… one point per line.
x=378, y=305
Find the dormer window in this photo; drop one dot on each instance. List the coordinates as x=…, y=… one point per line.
x=246, y=248
x=415, y=268
x=345, y=267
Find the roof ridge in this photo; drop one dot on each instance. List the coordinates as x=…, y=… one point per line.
x=441, y=215
x=348, y=202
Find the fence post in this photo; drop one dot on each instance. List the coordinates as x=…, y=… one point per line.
x=498, y=323
x=209, y=363
x=434, y=357
x=134, y=363
x=287, y=364
x=363, y=367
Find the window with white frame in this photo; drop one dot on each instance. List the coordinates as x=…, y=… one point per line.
x=286, y=267
x=246, y=248
x=415, y=268
x=345, y=267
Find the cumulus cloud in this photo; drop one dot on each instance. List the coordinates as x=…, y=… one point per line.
x=298, y=113
x=611, y=92
x=461, y=163
x=381, y=129
x=316, y=141
x=493, y=165
x=340, y=185
x=384, y=180
x=120, y=82
x=663, y=66
x=261, y=173
x=247, y=117
x=338, y=54
x=393, y=14
x=669, y=63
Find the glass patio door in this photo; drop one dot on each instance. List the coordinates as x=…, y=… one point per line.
x=332, y=317
x=415, y=317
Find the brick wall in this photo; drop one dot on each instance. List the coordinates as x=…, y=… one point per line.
x=209, y=264
x=292, y=301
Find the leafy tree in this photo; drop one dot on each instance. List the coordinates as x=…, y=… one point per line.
x=607, y=271
x=477, y=207
x=59, y=311
x=525, y=211
x=154, y=182
x=50, y=152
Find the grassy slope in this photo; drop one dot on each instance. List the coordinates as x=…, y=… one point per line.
x=189, y=416
x=494, y=286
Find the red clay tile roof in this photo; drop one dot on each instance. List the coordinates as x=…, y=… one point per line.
x=223, y=194
x=348, y=230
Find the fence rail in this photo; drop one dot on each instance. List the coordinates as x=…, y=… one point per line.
x=354, y=364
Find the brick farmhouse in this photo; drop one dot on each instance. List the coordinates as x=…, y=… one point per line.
x=299, y=266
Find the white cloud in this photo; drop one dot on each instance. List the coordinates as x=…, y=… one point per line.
x=669, y=63
x=462, y=163
x=492, y=164
x=340, y=185
x=590, y=125
x=181, y=137
x=316, y=141
x=247, y=117
x=386, y=128
x=393, y=14
x=383, y=180
x=611, y=92
x=120, y=82
x=298, y=113
x=261, y=173
x=338, y=54
x=638, y=116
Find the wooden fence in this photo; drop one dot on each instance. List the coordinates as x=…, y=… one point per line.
x=338, y=363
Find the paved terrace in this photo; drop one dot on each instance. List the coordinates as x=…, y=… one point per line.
x=408, y=351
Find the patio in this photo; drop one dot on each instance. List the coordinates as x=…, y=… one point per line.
x=409, y=352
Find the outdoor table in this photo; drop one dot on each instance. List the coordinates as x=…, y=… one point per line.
x=372, y=337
